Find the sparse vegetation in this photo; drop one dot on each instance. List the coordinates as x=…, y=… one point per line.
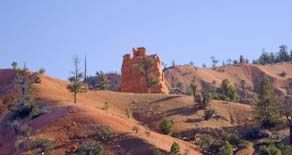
x=175, y=149
x=14, y=65
x=103, y=132
x=24, y=104
x=158, y=152
x=269, y=150
x=147, y=133
x=193, y=87
x=42, y=143
x=42, y=71
x=25, y=130
x=221, y=142
x=271, y=58
x=226, y=149
x=214, y=61
x=283, y=74
x=227, y=91
x=103, y=82
x=128, y=112
x=135, y=129
x=203, y=101
x=106, y=106
x=209, y=113
x=76, y=85
x=286, y=112
x=166, y=126
x=90, y=148
x=205, y=141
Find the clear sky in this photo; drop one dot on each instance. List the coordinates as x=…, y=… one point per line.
x=47, y=33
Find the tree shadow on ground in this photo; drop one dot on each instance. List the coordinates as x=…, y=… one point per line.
x=165, y=99
x=133, y=146
x=190, y=135
x=149, y=118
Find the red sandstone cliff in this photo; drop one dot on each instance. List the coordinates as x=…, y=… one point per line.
x=132, y=81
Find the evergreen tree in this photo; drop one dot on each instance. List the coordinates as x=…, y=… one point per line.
x=226, y=149
x=247, y=61
x=223, y=63
x=193, y=87
x=173, y=63
x=286, y=111
x=272, y=57
x=291, y=55
x=227, y=91
x=14, y=65
x=144, y=69
x=264, y=58
x=76, y=85
x=283, y=53
x=214, y=61
x=175, y=149
x=266, y=104
x=206, y=99
x=241, y=60
x=229, y=61
x=243, y=88
x=103, y=82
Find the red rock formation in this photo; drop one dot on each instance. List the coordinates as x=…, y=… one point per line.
x=132, y=81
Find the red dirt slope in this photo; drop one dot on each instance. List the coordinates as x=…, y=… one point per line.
x=65, y=121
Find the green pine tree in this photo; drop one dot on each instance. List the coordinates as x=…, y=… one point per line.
x=103, y=82
x=227, y=91
x=266, y=104
x=76, y=85
x=144, y=69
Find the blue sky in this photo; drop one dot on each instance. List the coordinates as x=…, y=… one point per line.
x=47, y=33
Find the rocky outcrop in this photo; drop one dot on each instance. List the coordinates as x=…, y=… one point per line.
x=135, y=82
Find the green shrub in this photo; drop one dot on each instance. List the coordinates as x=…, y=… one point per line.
x=37, y=78
x=135, y=129
x=243, y=144
x=205, y=141
x=128, y=112
x=90, y=148
x=166, y=126
x=269, y=150
x=285, y=149
x=44, y=144
x=158, y=152
x=198, y=98
x=209, y=113
x=106, y=106
x=226, y=149
x=35, y=112
x=147, y=133
x=27, y=110
x=104, y=132
x=25, y=130
x=227, y=91
x=15, y=125
x=42, y=71
x=283, y=74
x=175, y=149
x=233, y=139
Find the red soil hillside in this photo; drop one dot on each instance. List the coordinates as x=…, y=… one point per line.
x=251, y=74
x=69, y=124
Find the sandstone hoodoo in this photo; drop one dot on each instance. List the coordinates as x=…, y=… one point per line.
x=142, y=73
